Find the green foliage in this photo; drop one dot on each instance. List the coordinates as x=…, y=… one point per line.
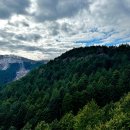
x=28, y=126
x=67, y=122
x=42, y=126
x=92, y=117
x=82, y=82
x=12, y=128
x=67, y=103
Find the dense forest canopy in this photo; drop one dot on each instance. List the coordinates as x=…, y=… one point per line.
x=77, y=90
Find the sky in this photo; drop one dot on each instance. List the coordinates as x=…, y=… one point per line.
x=44, y=29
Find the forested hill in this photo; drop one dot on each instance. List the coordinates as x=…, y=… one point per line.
x=75, y=91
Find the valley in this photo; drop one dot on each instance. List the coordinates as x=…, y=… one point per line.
x=13, y=67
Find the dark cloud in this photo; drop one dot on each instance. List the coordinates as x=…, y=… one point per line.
x=6, y=35
x=10, y=7
x=54, y=28
x=111, y=12
x=56, y=9
x=25, y=24
x=20, y=47
x=125, y=6
x=28, y=37
x=67, y=28
x=18, y=23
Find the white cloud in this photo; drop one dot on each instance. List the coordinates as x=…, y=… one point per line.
x=46, y=28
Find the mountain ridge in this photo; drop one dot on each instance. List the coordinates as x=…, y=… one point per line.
x=13, y=67
x=50, y=95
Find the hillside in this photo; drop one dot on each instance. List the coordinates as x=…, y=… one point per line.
x=115, y=116
x=82, y=82
x=14, y=67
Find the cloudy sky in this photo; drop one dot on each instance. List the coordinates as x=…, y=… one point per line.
x=43, y=29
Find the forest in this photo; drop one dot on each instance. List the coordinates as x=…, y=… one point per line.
x=86, y=88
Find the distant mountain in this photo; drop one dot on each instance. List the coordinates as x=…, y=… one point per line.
x=13, y=67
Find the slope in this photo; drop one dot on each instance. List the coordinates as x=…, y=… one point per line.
x=115, y=116
x=14, y=67
x=66, y=84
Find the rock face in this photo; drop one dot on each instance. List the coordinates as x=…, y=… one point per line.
x=14, y=67
x=22, y=72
